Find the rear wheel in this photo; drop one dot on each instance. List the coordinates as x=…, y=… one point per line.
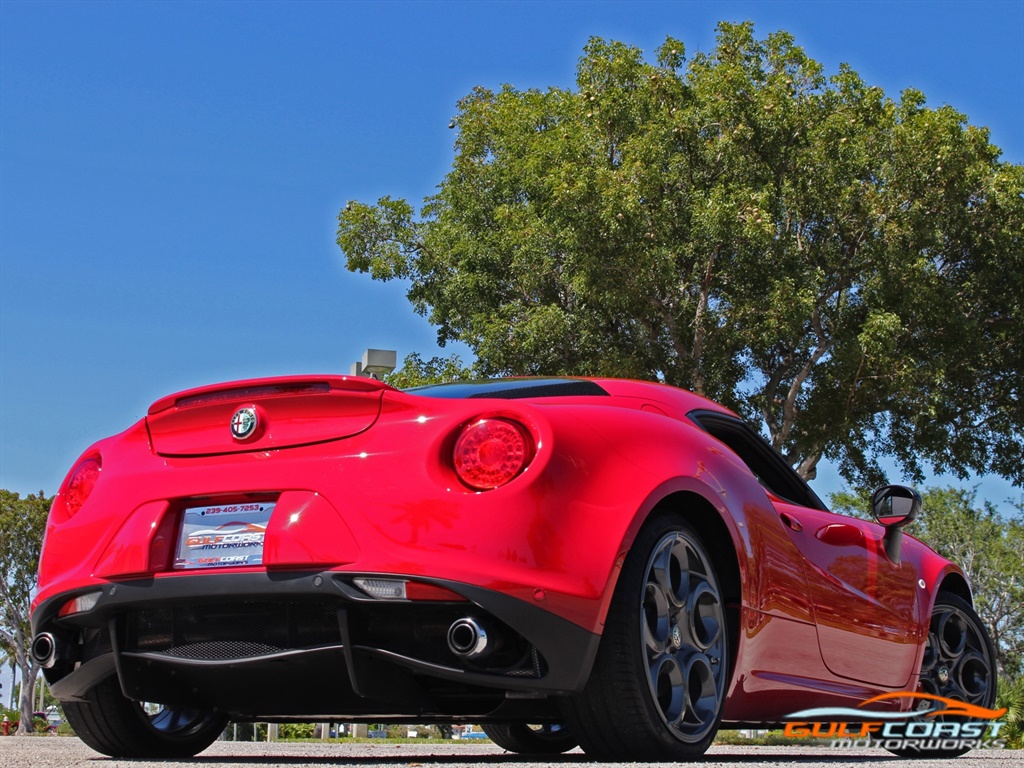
x=117, y=726
x=546, y=739
x=959, y=663
x=658, y=684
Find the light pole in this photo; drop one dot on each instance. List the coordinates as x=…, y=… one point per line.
x=375, y=363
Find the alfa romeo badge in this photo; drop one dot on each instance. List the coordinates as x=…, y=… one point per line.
x=244, y=423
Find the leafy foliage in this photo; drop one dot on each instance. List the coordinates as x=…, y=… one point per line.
x=417, y=372
x=990, y=549
x=22, y=524
x=846, y=267
x=297, y=730
x=1011, y=696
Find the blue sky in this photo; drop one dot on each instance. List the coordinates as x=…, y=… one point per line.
x=171, y=172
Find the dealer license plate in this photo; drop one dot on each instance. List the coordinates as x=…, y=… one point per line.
x=221, y=536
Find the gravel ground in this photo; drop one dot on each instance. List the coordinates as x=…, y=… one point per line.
x=66, y=752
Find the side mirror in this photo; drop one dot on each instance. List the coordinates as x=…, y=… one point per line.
x=895, y=506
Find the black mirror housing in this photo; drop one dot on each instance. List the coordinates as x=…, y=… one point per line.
x=895, y=506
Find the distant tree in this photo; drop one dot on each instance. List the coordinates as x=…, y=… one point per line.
x=417, y=372
x=842, y=266
x=22, y=524
x=990, y=549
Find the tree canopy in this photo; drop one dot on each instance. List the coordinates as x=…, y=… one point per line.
x=842, y=266
x=417, y=372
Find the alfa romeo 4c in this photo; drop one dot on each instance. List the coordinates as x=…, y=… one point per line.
x=614, y=564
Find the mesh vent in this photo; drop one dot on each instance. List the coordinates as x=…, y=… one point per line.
x=222, y=651
x=532, y=666
x=232, y=631
x=95, y=642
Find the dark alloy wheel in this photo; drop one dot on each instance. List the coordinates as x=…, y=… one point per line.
x=959, y=663
x=546, y=739
x=659, y=681
x=117, y=726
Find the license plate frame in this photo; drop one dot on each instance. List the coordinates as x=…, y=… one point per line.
x=217, y=536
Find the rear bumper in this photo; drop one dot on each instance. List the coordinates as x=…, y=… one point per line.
x=309, y=643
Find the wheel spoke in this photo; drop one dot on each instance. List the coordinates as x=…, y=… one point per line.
x=656, y=618
x=704, y=612
x=661, y=567
x=668, y=570
x=667, y=677
x=701, y=692
x=952, y=632
x=684, y=556
x=972, y=677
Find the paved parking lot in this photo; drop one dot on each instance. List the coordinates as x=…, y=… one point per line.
x=65, y=752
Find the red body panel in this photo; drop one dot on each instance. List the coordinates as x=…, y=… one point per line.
x=363, y=483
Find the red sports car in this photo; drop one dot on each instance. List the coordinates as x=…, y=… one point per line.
x=616, y=564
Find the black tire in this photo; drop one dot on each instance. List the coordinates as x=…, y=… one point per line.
x=659, y=682
x=959, y=663
x=547, y=739
x=112, y=724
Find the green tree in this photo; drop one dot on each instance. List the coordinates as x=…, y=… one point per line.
x=843, y=266
x=417, y=372
x=22, y=524
x=990, y=549
x=1011, y=696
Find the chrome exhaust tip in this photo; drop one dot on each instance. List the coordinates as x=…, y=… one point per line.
x=468, y=639
x=44, y=650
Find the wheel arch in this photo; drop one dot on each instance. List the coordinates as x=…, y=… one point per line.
x=715, y=534
x=691, y=500
x=937, y=576
x=956, y=583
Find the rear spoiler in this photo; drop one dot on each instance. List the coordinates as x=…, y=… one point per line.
x=267, y=387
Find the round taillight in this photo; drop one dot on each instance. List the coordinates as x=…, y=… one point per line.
x=83, y=480
x=490, y=452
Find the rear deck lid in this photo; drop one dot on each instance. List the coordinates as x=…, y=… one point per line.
x=263, y=414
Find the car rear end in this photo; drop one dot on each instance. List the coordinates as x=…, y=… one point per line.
x=331, y=546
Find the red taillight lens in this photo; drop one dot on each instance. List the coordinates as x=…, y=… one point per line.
x=417, y=590
x=490, y=452
x=83, y=480
x=162, y=545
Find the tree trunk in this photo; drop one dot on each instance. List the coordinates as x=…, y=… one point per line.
x=28, y=683
x=25, y=701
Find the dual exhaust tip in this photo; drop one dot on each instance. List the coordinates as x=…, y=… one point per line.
x=44, y=650
x=469, y=638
